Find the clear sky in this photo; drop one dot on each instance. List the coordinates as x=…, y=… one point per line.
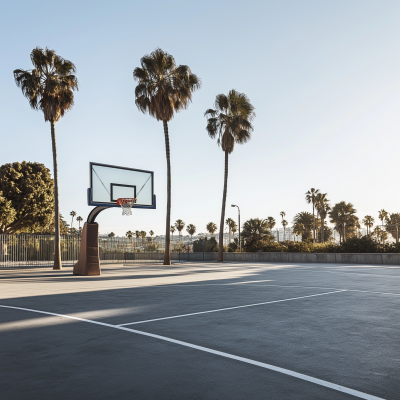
x=324, y=77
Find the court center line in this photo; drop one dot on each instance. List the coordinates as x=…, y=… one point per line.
x=320, y=382
x=230, y=308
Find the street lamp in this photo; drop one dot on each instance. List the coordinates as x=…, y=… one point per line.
x=240, y=244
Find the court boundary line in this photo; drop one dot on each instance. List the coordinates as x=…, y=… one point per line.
x=229, y=308
x=245, y=360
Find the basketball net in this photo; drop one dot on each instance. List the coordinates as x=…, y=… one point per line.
x=126, y=205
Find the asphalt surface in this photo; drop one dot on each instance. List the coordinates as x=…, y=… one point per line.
x=335, y=323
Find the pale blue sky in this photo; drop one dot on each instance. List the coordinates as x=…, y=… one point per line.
x=324, y=77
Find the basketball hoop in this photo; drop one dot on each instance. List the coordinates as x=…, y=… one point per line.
x=126, y=204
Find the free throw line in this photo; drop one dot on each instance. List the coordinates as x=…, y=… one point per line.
x=230, y=308
x=320, y=382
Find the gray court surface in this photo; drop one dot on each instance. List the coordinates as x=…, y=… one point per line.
x=201, y=331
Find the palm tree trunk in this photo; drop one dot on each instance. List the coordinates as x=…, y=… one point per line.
x=167, y=255
x=322, y=230
x=313, y=217
x=221, y=229
x=57, y=252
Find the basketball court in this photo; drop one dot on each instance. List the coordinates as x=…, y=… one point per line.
x=201, y=331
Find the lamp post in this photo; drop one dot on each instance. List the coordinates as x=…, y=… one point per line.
x=240, y=243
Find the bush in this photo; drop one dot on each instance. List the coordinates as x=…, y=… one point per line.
x=360, y=245
x=274, y=246
x=207, y=245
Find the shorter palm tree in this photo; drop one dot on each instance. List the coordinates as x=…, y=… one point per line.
x=383, y=215
x=271, y=222
x=129, y=234
x=79, y=219
x=172, y=230
x=137, y=234
x=179, y=225
x=211, y=228
x=228, y=223
x=111, y=235
x=191, y=230
x=72, y=214
x=284, y=224
x=151, y=233
x=282, y=214
x=368, y=221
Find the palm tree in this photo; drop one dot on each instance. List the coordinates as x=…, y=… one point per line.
x=343, y=216
x=230, y=122
x=392, y=226
x=129, y=234
x=143, y=234
x=179, y=225
x=79, y=219
x=49, y=87
x=368, y=221
x=137, y=234
x=282, y=214
x=310, y=198
x=111, y=235
x=151, y=233
x=72, y=214
x=284, y=224
x=230, y=224
x=164, y=89
x=383, y=215
x=305, y=219
x=322, y=206
x=234, y=229
x=271, y=222
x=191, y=230
x=299, y=229
x=211, y=228
x=172, y=229
x=254, y=231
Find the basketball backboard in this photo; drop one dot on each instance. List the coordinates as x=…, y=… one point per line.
x=109, y=183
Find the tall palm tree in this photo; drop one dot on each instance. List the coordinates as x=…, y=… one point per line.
x=322, y=206
x=191, y=230
x=179, y=225
x=284, y=224
x=129, y=234
x=72, y=214
x=383, y=215
x=271, y=222
x=230, y=123
x=310, y=198
x=282, y=214
x=50, y=87
x=368, y=221
x=211, y=228
x=164, y=89
x=79, y=219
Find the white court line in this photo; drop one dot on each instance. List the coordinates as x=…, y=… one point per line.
x=284, y=371
x=229, y=308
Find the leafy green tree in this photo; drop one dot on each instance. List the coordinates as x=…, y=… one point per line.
x=179, y=225
x=26, y=198
x=72, y=214
x=310, y=198
x=164, y=89
x=393, y=223
x=191, y=230
x=255, y=233
x=322, y=206
x=129, y=234
x=271, y=222
x=79, y=219
x=304, y=220
x=343, y=216
x=368, y=221
x=50, y=229
x=211, y=228
x=229, y=122
x=50, y=87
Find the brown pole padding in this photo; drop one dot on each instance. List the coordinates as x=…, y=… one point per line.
x=89, y=262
